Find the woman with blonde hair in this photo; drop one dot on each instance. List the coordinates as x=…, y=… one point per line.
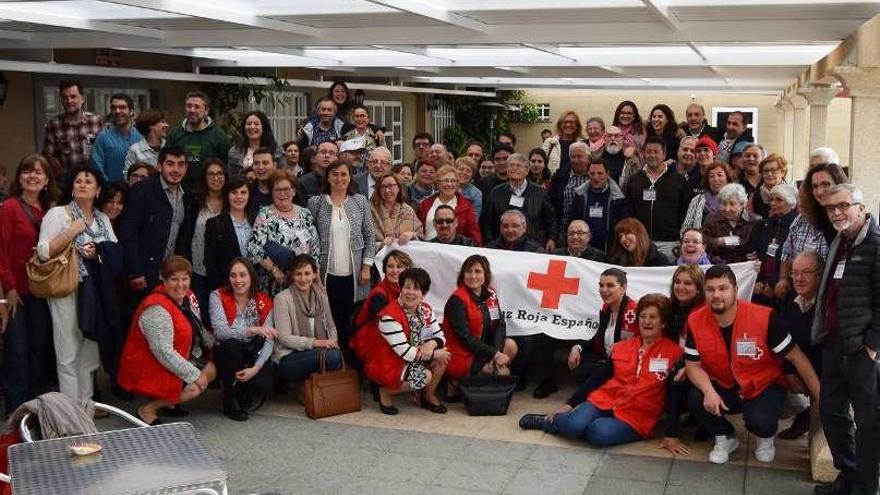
x=568, y=130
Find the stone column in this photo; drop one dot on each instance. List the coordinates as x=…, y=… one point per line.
x=800, y=154
x=863, y=86
x=779, y=146
x=787, y=128
x=819, y=97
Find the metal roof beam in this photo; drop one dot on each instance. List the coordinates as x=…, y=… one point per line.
x=551, y=49
x=218, y=13
x=9, y=12
x=422, y=9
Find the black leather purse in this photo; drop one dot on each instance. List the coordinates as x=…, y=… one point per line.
x=487, y=395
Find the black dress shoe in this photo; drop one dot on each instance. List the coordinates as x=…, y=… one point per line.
x=532, y=422
x=799, y=426
x=839, y=486
x=544, y=390
x=389, y=410
x=173, y=412
x=434, y=408
x=235, y=414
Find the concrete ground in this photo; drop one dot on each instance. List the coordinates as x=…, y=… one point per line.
x=279, y=451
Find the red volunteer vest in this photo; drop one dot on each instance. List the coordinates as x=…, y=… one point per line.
x=752, y=373
x=636, y=395
x=264, y=305
x=381, y=364
x=390, y=290
x=462, y=358
x=139, y=371
x=360, y=342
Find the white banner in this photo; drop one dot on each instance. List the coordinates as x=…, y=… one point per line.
x=556, y=295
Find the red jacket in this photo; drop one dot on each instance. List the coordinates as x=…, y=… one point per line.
x=139, y=371
x=636, y=394
x=468, y=223
x=381, y=364
x=462, y=357
x=18, y=238
x=752, y=374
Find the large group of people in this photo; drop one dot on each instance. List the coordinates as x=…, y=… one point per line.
x=252, y=263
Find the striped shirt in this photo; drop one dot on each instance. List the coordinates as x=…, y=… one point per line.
x=423, y=327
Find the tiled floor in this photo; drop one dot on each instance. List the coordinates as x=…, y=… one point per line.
x=279, y=451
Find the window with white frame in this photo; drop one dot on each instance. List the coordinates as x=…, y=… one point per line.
x=543, y=112
x=442, y=118
x=286, y=110
x=96, y=100
x=720, y=114
x=389, y=114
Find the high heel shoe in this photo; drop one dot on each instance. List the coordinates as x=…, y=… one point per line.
x=434, y=408
x=389, y=410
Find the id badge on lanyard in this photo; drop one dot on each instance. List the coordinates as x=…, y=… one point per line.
x=492, y=306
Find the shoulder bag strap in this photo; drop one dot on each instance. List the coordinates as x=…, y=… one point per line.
x=27, y=211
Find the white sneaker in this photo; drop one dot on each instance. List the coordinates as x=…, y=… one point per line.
x=765, y=452
x=724, y=446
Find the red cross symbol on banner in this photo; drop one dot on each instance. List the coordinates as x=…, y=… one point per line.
x=553, y=284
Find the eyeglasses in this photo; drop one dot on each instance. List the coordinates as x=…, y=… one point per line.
x=842, y=207
x=769, y=171
x=282, y=190
x=803, y=273
x=448, y=181
x=388, y=186
x=215, y=174
x=579, y=233
x=443, y=221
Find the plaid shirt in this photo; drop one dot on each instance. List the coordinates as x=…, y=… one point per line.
x=803, y=236
x=71, y=144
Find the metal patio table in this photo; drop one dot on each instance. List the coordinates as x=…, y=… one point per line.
x=164, y=459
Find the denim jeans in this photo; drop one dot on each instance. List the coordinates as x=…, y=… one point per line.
x=298, y=365
x=587, y=422
x=28, y=353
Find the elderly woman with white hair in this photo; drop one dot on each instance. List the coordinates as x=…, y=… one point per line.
x=768, y=236
x=728, y=231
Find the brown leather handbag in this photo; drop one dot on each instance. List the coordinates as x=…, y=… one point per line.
x=56, y=277
x=331, y=393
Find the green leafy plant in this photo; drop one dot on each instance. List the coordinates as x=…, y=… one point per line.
x=472, y=120
x=227, y=100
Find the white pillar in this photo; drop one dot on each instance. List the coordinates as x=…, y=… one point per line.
x=787, y=128
x=863, y=86
x=800, y=155
x=819, y=97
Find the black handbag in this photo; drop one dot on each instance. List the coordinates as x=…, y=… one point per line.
x=487, y=395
